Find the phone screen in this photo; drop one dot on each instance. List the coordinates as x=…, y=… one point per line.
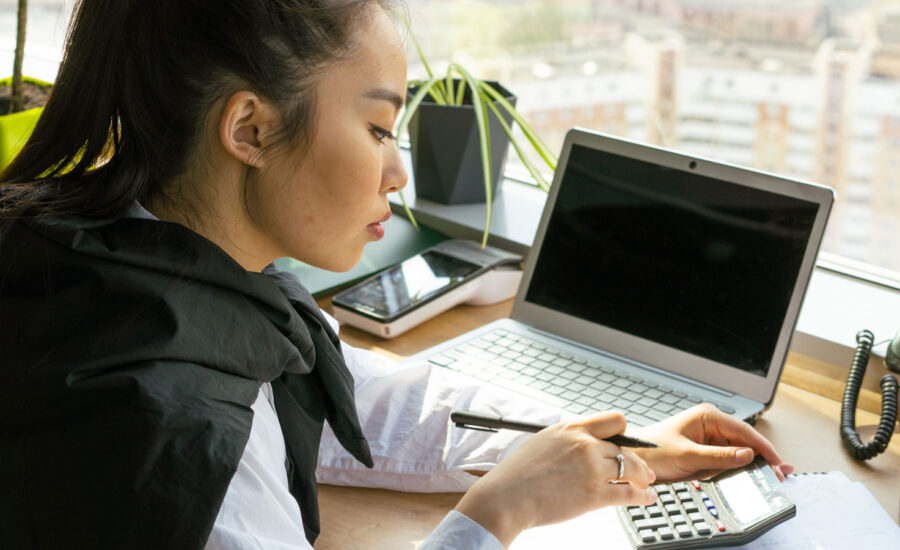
x=407, y=284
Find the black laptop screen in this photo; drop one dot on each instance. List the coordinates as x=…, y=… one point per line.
x=698, y=264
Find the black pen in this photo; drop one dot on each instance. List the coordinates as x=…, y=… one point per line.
x=488, y=423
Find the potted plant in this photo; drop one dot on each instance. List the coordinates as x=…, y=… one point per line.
x=443, y=114
x=19, y=110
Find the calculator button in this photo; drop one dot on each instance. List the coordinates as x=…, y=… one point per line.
x=666, y=533
x=673, y=509
x=704, y=496
x=720, y=526
x=680, y=486
x=702, y=528
x=684, y=531
x=647, y=535
x=696, y=517
x=666, y=498
x=713, y=511
x=661, y=489
x=696, y=484
x=636, y=513
x=654, y=511
x=690, y=506
x=650, y=523
x=684, y=495
x=678, y=519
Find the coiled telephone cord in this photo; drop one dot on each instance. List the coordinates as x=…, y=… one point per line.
x=858, y=449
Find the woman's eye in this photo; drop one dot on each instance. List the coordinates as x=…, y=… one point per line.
x=381, y=134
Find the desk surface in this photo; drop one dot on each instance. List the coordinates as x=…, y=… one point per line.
x=803, y=426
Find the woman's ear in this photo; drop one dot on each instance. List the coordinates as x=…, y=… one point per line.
x=245, y=123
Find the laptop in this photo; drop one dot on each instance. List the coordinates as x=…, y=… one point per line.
x=657, y=280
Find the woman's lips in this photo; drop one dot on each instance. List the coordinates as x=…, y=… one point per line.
x=376, y=229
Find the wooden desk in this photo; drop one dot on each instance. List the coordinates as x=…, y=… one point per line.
x=803, y=426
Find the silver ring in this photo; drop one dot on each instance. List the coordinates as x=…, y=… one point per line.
x=621, y=460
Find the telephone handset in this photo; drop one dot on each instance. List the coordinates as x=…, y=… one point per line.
x=858, y=449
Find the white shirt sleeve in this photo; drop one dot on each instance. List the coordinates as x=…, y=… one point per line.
x=404, y=409
x=458, y=532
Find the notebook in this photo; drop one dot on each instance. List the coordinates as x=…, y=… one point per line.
x=657, y=280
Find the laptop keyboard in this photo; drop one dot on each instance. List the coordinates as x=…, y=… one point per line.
x=564, y=379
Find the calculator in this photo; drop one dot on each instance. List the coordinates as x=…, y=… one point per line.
x=733, y=508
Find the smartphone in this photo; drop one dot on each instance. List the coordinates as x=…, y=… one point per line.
x=405, y=295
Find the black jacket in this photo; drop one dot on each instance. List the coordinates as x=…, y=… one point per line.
x=131, y=351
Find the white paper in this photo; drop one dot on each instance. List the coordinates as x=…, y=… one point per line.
x=833, y=513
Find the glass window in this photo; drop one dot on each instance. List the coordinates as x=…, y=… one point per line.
x=807, y=88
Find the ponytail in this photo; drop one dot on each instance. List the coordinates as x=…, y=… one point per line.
x=78, y=128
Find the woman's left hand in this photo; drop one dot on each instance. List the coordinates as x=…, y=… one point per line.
x=702, y=441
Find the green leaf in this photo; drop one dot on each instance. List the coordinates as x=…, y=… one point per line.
x=532, y=136
x=460, y=93
x=409, y=213
x=538, y=177
x=478, y=102
x=413, y=104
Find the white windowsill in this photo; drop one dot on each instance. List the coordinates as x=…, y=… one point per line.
x=836, y=306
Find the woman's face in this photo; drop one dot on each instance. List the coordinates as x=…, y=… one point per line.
x=322, y=205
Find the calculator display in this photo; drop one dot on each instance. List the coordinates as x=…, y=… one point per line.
x=406, y=285
x=743, y=495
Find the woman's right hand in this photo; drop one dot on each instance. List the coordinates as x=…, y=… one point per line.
x=562, y=472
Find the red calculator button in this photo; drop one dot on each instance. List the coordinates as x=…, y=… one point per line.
x=720, y=526
x=696, y=484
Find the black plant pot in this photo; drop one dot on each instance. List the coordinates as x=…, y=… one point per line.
x=446, y=149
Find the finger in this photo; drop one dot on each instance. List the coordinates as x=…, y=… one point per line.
x=740, y=433
x=626, y=494
x=634, y=470
x=604, y=424
x=716, y=458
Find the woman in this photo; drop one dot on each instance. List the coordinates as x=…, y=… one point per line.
x=162, y=385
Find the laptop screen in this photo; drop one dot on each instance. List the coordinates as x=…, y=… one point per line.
x=691, y=262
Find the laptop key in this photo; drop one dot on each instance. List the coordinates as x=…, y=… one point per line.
x=653, y=394
x=631, y=396
x=663, y=407
x=441, y=360
x=569, y=395
x=670, y=399
x=656, y=415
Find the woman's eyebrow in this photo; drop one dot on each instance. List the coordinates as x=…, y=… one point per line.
x=386, y=95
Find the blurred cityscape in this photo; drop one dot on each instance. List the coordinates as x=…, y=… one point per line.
x=806, y=88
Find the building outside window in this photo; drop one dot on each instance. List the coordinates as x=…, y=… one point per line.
x=806, y=88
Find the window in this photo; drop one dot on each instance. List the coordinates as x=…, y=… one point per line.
x=807, y=88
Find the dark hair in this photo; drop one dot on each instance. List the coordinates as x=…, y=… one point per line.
x=138, y=79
